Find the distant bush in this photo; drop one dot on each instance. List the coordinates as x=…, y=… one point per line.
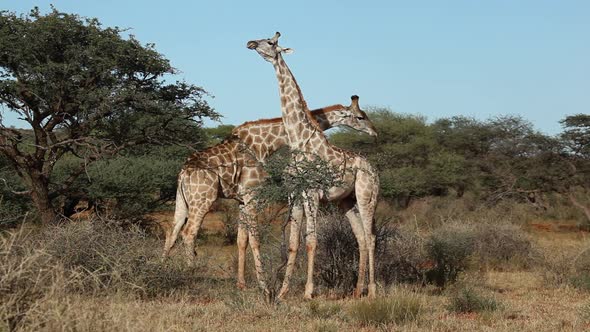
x=468, y=299
x=503, y=245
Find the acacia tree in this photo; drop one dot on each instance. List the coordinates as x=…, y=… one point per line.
x=576, y=141
x=85, y=91
x=411, y=161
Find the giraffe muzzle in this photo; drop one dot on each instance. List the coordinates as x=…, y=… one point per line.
x=252, y=45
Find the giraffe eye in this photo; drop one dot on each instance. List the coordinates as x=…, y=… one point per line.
x=360, y=118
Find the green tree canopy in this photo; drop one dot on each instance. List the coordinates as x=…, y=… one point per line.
x=411, y=161
x=85, y=91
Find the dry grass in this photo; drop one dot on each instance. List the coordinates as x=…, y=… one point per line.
x=42, y=290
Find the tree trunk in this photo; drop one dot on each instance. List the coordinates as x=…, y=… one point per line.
x=579, y=205
x=40, y=197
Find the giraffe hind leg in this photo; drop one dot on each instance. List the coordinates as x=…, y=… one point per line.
x=180, y=215
x=359, y=233
x=367, y=203
x=242, y=241
x=295, y=227
x=196, y=216
x=203, y=192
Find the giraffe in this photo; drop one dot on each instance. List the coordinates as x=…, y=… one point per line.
x=234, y=166
x=359, y=182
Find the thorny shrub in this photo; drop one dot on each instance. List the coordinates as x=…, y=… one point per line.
x=117, y=259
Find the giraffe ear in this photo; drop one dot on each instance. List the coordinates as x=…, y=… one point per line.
x=285, y=50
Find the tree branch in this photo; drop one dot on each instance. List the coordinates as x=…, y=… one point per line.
x=20, y=193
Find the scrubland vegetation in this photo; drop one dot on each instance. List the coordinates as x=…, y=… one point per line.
x=448, y=275
x=482, y=224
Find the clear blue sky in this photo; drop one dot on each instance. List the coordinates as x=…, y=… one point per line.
x=434, y=58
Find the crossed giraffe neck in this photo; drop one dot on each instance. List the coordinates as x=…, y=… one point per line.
x=264, y=137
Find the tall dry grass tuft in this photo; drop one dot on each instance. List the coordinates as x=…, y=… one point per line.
x=467, y=299
x=567, y=267
x=29, y=277
x=402, y=306
x=116, y=259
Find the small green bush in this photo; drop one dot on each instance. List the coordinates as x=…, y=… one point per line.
x=468, y=300
x=399, y=309
x=450, y=248
x=401, y=255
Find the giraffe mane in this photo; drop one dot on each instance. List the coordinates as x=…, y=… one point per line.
x=310, y=117
x=313, y=113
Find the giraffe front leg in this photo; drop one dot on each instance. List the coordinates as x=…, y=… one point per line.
x=367, y=221
x=296, y=220
x=371, y=253
x=310, y=203
x=359, y=234
x=367, y=201
x=242, y=241
x=248, y=216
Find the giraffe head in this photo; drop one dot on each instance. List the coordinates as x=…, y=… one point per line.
x=268, y=48
x=351, y=116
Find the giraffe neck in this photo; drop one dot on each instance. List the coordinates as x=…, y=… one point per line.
x=265, y=137
x=302, y=130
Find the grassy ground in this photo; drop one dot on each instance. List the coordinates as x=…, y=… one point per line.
x=206, y=299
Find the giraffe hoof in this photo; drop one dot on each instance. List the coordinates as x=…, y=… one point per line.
x=283, y=292
x=358, y=292
x=241, y=285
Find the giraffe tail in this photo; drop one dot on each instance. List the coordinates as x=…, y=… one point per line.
x=180, y=215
